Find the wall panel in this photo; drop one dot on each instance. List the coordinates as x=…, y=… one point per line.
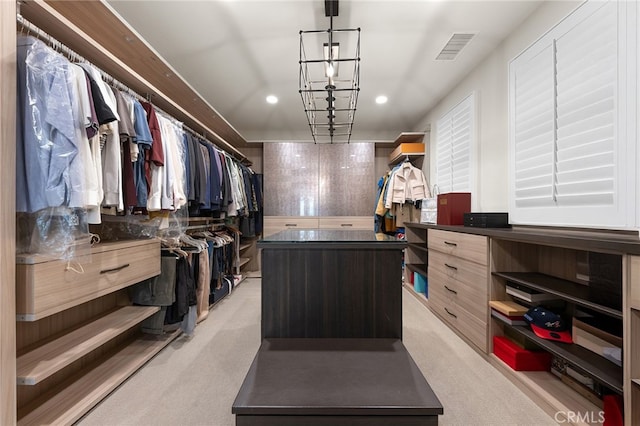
x=303, y=179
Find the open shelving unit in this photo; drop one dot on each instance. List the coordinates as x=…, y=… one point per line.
x=43, y=361
x=67, y=404
x=416, y=257
x=562, y=272
x=564, y=289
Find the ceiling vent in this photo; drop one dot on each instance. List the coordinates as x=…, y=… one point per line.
x=454, y=46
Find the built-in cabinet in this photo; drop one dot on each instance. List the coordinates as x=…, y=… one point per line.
x=78, y=335
x=586, y=273
x=458, y=273
x=574, y=277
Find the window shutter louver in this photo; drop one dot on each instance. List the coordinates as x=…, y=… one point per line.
x=454, y=135
x=534, y=131
x=586, y=111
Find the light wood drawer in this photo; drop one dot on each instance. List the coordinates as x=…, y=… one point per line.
x=45, y=286
x=473, y=302
x=346, y=222
x=473, y=276
x=466, y=246
x=459, y=319
x=273, y=224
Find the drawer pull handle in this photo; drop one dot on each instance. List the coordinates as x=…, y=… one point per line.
x=450, y=244
x=453, y=315
x=452, y=291
x=450, y=267
x=119, y=268
x=290, y=224
x=346, y=224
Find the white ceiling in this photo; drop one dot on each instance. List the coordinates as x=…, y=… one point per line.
x=236, y=52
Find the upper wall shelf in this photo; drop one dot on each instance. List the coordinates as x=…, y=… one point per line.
x=409, y=137
x=132, y=61
x=407, y=145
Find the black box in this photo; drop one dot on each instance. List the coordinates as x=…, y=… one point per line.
x=486, y=220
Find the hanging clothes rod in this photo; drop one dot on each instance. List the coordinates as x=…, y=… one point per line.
x=32, y=29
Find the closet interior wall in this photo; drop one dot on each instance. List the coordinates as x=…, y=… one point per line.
x=7, y=212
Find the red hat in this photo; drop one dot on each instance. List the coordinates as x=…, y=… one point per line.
x=548, y=325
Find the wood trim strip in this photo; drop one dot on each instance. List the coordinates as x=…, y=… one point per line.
x=7, y=212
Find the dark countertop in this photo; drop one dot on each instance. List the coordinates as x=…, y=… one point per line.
x=605, y=241
x=335, y=377
x=330, y=238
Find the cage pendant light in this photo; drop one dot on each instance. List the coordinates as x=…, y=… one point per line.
x=330, y=75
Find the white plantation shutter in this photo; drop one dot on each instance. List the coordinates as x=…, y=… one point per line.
x=534, y=130
x=443, y=153
x=586, y=111
x=570, y=148
x=454, y=142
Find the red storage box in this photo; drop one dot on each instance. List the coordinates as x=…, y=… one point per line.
x=518, y=358
x=452, y=206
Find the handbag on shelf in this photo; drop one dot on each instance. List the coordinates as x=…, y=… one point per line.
x=429, y=211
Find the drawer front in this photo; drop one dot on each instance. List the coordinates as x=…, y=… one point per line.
x=459, y=319
x=346, y=222
x=474, y=302
x=471, y=328
x=273, y=224
x=473, y=276
x=46, y=288
x=466, y=246
x=443, y=306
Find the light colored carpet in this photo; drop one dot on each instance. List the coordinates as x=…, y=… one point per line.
x=194, y=382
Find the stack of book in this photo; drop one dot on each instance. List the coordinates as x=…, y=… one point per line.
x=508, y=312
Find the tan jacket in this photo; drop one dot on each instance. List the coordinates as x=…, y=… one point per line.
x=407, y=183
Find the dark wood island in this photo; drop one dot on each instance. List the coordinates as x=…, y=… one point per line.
x=332, y=350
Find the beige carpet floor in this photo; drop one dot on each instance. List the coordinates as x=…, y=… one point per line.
x=194, y=381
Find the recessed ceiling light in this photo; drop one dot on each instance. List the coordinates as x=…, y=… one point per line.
x=272, y=99
x=382, y=99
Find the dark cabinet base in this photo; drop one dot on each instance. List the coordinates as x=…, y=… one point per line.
x=336, y=420
x=335, y=382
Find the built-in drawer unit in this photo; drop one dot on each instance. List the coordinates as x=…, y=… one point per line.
x=346, y=222
x=45, y=286
x=273, y=224
x=458, y=282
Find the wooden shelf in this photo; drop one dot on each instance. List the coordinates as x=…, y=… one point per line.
x=564, y=289
x=244, y=246
x=636, y=382
x=42, y=362
x=417, y=267
x=594, y=365
x=243, y=261
x=549, y=391
x=409, y=137
x=419, y=246
x=69, y=404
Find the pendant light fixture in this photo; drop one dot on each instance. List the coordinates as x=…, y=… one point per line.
x=331, y=77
